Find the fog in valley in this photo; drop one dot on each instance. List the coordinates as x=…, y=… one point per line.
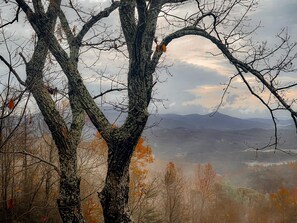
x=192, y=168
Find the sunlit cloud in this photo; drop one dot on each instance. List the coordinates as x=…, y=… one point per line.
x=208, y=96
x=236, y=100
x=199, y=52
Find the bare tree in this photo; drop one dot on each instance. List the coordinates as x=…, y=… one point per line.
x=66, y=137
x=173, y=195
x=10, y=121
x=204, y=185
x=223, y=23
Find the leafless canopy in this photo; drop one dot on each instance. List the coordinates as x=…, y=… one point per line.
x=224, y=23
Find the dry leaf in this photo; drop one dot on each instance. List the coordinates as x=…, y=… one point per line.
x=10, y=104
x=163, y=48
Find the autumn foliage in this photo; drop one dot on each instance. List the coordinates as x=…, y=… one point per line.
x=284, y=203
x=156, y=196
x=142, y=156
x=11, y=104
x=92, y=210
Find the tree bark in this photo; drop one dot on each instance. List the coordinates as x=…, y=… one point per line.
x=114, y=196
x=69, y=203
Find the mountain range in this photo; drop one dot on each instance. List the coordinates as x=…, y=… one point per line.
x=211, y=137
x=227, y=142
x=220, y=139
x=216, y=121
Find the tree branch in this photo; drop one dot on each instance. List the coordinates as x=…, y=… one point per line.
x=237, y=63
x=13, y=71
x=35, y=157
x=108, y=91
x=88, y=25
x=65, y=26
x=15, y=19
x=128, y=24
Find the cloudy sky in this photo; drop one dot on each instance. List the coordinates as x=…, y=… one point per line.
x=197, y=79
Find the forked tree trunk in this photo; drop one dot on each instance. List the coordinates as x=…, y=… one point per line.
x=114, y=196
x=69, y=196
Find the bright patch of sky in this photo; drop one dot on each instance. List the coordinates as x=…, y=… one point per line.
x=202, y=89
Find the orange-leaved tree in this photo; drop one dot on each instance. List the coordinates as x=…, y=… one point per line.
x=142, y=188
x=285, y=203
x=204, y=189
x=92, y=167
x=173, y=194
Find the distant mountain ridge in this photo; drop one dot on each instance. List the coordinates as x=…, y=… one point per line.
x=207, y=137
x=216, y=121
x=219, y=138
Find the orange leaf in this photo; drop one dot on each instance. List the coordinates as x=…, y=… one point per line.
x=10, y=104
x=163, y=48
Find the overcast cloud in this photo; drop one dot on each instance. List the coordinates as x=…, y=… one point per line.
x=198, y=76
x=198, y=79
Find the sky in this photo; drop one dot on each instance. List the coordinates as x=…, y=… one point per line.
x=196, y=79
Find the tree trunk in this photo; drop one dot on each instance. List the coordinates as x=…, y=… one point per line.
x=48, y=175
x=69, y=203
x=114, y=196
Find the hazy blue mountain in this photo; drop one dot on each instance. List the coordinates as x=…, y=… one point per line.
x=217, y=121
x=220, y=139
x=181, y=142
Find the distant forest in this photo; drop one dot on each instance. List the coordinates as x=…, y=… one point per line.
x=30, y=177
